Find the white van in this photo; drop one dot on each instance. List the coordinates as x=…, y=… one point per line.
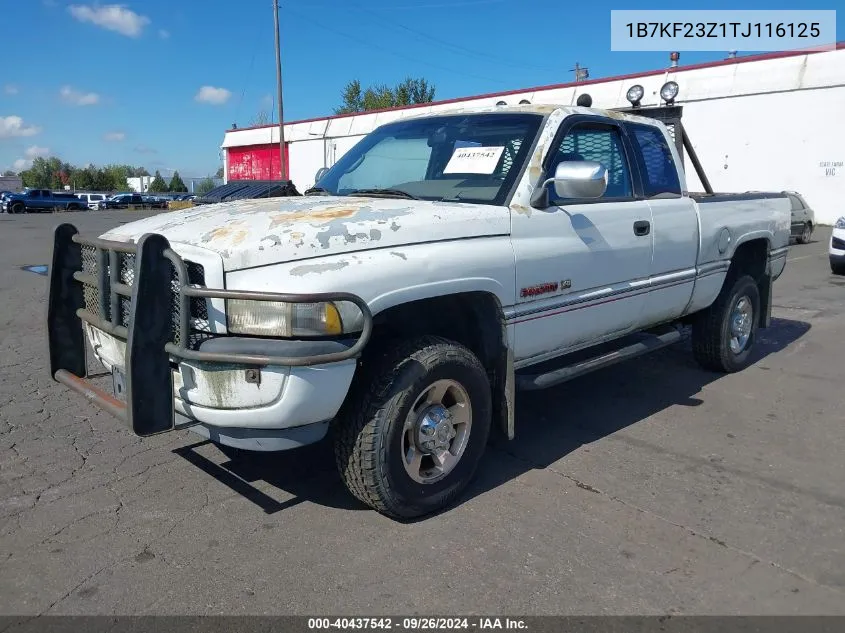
x=92, y=199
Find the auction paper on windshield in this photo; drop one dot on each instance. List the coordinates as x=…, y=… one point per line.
x=474, y=160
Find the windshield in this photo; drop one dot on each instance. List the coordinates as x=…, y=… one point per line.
x=462, y=158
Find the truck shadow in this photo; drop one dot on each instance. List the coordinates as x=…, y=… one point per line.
x=553, y=423
x=289, y=478
x=550, y=424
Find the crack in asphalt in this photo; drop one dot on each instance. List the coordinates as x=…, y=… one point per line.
x=690, y=530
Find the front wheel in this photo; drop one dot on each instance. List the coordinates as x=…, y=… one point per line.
x=724, y=334
x=836, y=268
x=18, y=207
x=411, y=435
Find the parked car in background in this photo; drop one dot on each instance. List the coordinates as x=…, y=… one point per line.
x=122, y=201
x=155, y=202
x=40, y=200
x=92, y=200
x=803, y=218
x=836, y=250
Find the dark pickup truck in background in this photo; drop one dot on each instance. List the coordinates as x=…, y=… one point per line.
x=40, y=200
x=122, y=201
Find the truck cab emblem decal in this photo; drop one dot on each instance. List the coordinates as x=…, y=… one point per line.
x=542, y=289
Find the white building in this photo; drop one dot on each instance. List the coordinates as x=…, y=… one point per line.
x=767, y=122
x=140, y=184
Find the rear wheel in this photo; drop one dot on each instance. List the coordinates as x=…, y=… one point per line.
x=806, y=233
x=413, y=431
x=724, y=334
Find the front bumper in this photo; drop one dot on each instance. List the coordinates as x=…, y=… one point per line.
x=159, y=349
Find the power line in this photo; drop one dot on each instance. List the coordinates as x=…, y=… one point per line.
x=392, y=52
x=248, y=78
x=443, y=42
x=411, y=7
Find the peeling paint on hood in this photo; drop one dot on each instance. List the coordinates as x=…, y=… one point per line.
x=248, y=233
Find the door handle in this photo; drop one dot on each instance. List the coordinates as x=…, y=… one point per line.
x=642, y=227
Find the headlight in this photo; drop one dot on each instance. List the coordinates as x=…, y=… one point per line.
x=840, y=223
x=279, y=319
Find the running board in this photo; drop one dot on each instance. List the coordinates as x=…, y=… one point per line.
x=624, y=349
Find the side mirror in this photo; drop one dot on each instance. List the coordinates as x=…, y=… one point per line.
x=579, y=179
x=320, y=173
x=573, y=179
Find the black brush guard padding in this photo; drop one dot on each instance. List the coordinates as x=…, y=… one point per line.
x=149, y=408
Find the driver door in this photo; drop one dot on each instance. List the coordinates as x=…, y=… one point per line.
x=582, y=266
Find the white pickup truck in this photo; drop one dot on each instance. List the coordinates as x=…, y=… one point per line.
x=442, y=264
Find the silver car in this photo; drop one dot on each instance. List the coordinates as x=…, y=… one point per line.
x=803, y=218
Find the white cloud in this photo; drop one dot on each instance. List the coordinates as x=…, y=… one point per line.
x=77, y=98
x=31, y=153
x=114, y=137
x=113, y=17
x=12, y=126
x=164, y=34
x=35, y=151
x=212, y=95
x=11, y=89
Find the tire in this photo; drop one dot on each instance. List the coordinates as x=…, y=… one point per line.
x=18, y=207
x=371, y=440
x=806, y=233
x=837, y=269
x=712, y=331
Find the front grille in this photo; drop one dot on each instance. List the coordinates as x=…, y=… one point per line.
x=96, y=262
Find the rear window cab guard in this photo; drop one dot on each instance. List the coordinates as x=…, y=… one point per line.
x=150, y=345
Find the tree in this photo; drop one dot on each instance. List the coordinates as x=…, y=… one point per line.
x=219, y=173
x=104, y=182
x=176, y=183
x=84, y=178
x=353, y=99
x=44, y=173
x=408, y=92
x=205, y=185
x=9, y=172
x=158, y=185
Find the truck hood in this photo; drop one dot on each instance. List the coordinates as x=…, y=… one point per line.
x=248, y=233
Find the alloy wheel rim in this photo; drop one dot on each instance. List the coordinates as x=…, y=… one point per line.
x=742, y=319
x=436, y=431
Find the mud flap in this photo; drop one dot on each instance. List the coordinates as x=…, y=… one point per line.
x=765, y=286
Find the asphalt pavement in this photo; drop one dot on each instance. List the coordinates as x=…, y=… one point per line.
x=652, y=487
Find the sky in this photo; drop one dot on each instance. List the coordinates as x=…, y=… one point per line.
x=155, y=83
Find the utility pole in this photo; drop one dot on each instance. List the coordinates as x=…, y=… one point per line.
x=580, y=73
x=276, y=7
